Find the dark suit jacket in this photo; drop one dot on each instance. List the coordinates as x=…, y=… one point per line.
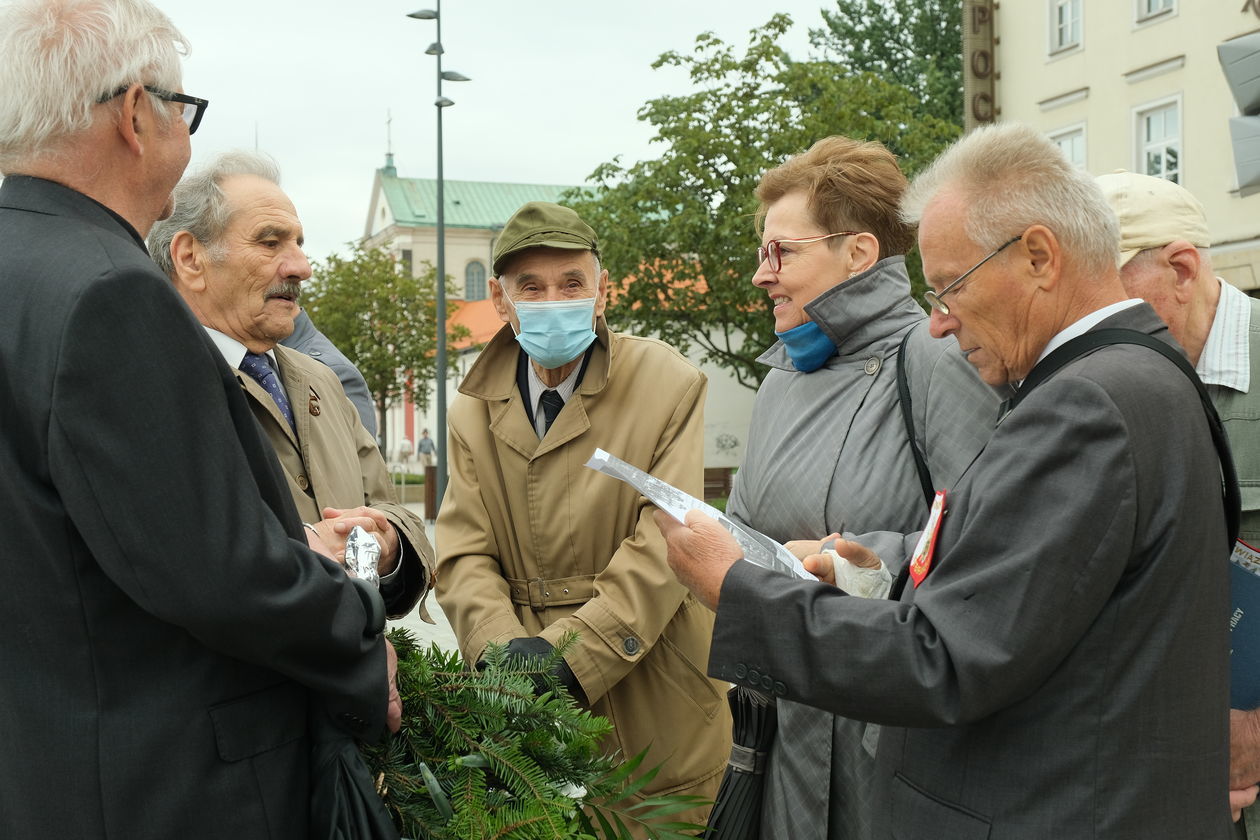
x=1062, y=670
x=166, y=627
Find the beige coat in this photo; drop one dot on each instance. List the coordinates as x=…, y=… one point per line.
x=333, y=462
x=532, y=543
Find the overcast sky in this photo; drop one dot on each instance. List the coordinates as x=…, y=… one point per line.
x=556, y=87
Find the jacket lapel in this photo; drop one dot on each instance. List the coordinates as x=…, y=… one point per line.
x=259, y=395
x=304, y=402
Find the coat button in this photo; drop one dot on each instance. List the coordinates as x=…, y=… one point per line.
x=754, y=676
x=303, y=482
x=630, y=645
x=872, y=366
x=313, y=407
x=780, y=689
x=741, y=671
x=767, y=683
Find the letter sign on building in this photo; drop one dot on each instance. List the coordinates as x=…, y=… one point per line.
x=979, y=70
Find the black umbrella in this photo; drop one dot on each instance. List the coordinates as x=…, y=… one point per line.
x=344, y=802
x=736, y=813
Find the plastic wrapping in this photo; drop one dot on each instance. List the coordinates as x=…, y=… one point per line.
x=362, y=554
x=758, y=548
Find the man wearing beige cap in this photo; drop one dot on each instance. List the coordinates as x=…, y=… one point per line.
x=1163, y=241
x=532, y=545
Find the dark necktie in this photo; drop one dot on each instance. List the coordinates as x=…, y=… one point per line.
x=552, y=402
x=256, y=365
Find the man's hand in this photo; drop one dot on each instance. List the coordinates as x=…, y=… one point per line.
x=1244, y=748
x=1239, y=799
x=338, y=523
x=393, y=714
x=315, y=541
x=701, y=552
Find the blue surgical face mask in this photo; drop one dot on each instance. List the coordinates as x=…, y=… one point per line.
x=555, y=332
x=808, y=346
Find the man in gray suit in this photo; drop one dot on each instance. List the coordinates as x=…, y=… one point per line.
x=306, y=338
x=169, y=636
x=1053, y=661
x=1164, y=260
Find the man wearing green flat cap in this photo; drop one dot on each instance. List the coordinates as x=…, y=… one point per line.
x=533, y=545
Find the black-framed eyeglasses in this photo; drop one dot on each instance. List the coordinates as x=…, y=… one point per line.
x=934, y=298
x=770, y=251
x=192, y=112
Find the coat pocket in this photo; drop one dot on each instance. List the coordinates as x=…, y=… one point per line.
x=259, y=722
x=917, y=814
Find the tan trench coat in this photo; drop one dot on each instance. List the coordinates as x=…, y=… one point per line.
x=333, y=462
x=532, y=543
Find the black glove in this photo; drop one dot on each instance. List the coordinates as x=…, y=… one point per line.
x=534, y=647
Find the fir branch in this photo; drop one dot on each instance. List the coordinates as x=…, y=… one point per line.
x=481, y=757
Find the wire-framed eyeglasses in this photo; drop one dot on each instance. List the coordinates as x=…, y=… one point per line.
x=191, y=113
x=770, y=251
x=934, y=298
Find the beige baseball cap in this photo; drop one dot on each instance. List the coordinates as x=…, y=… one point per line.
x=1153, y=212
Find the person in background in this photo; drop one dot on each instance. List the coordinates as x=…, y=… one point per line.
x=426, y=449
x=828, y=447
x=306, y=338
x=232, y=248
x=1164, y=260
x=533, y=545
x=170, y=637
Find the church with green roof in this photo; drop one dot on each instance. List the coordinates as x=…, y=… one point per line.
x=402, y=217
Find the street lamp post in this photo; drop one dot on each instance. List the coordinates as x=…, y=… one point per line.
x=435, y=49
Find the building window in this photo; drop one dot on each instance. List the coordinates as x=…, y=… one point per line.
x=475, y=281
x=1147, y=9
x=1159, y=141
x=1072, y=142
x=405, y=259
x=1065, y=25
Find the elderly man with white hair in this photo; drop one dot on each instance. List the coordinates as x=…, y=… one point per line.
x=1164, y=260
x=1052, y=661
x=169, y=634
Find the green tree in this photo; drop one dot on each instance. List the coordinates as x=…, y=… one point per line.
x=680, y=227
x=383, y=319
x=914, y=43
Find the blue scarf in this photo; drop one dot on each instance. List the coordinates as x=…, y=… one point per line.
x=808, y=346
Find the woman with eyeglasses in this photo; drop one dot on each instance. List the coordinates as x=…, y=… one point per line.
x=829, y=449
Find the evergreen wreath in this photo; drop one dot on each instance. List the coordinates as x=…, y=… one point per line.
x=480, y=756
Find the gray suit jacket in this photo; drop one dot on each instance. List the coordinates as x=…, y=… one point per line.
x=167, y=630
x=306, y=338
x=1062, y=670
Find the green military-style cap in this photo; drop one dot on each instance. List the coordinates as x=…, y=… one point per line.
x=541, y=224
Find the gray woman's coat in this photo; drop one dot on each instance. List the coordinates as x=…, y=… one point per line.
x=828, y=451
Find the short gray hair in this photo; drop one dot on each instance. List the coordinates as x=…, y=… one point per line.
x=202, y=209
x=58, y=58
x=1012, y=177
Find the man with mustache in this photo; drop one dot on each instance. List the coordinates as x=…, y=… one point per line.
x=233, y=249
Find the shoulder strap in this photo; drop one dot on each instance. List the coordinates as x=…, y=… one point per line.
x=1081, y=345
x=903, y=397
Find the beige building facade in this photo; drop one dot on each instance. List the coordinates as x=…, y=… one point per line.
x=1128, y=84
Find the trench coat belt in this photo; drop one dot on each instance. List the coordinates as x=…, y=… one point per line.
x=539, y=593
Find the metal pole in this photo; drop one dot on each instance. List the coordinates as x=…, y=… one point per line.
x=441, y=289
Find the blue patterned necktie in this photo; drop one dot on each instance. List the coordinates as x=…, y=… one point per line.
x=257, y=366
